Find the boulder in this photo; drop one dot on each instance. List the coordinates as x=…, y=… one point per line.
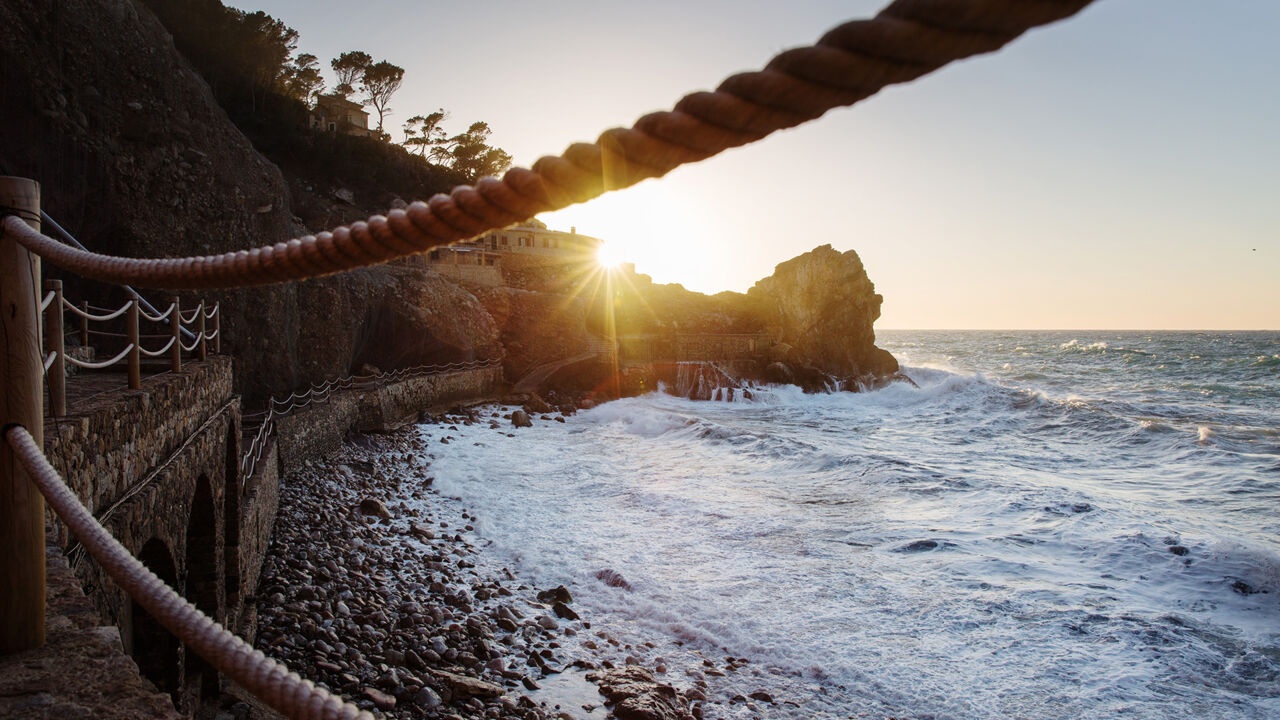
x=637, y=695
x=375, y=507
x=822, y=305
x=520, y=418
x=463, y=686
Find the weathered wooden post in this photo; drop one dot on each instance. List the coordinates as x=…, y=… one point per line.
x=217, y=328
x=21, y=506
x=55, y=342
x=135, y=352
x=202, y=347
x=175, y=326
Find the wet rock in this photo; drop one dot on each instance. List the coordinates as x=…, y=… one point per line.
x=919, y=546
x=557, y=594
x=1178, y=550
x=761, y=695
x=612, y=578
x=536, y=405
x=375, y=507
x=520, y=418
x=564, y=611
x=464, y=686
x=379, y=698
x=637, y=695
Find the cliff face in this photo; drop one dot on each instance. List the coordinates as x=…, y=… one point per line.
x=535, y=327
x=823, y=305
x=136, y=158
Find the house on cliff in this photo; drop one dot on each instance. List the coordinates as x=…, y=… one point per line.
x=334, y=113
x=529, y=244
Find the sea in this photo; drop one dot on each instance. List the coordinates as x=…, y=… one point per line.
x=1076, y=524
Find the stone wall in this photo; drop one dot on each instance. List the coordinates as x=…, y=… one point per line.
x=158, y=467
x=260, y=500
x=484, y=275
x=321, y=429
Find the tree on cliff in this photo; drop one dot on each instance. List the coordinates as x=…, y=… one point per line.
x=379, y=82
x=349, y=67
x=302, y=80
x=423, y=134
x=470, y=153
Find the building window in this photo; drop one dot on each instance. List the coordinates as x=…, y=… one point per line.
x=546, y=243
x=333, y=126
x=504, y=239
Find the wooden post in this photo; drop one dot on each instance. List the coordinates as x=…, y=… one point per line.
x=84, y=324
x=202, y=348
x=175, y=325
x=21, y=506
x=217, y=328
x=135, y=353
x=55, y=342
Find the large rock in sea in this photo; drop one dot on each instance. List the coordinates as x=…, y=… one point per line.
x=823, y=305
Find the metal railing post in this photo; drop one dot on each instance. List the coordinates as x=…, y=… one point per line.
x=202, y=348
x=135, y=352
x=21, y=365
x=175, y=325
x=55, y=342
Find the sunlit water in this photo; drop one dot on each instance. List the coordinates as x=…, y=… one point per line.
x=1001, y=542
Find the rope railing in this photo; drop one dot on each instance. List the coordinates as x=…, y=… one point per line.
x=161, y=351
x=55, y=306
x=85, y=315
x=319, y=393
x=87, y=365
x=267, y=679
x=906, y=40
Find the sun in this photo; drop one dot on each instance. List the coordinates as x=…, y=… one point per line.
x=609, y=256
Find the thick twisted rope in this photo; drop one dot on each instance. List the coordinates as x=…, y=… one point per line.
x=265, y=678
x=906, y=40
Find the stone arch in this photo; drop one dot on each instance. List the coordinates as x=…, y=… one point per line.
x=154, y=648
x=231, y=516
x=201, y=680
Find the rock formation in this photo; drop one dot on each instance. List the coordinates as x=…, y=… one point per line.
x=136, y=158
x=822, y=306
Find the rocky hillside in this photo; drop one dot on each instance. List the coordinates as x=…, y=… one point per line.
x=135, y=157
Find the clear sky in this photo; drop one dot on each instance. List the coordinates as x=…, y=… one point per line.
x=1117, y=170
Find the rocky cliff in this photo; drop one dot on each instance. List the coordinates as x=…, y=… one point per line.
x=135, y=157
x=823, y=306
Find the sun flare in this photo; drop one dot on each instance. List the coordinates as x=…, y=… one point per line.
x=609, y=256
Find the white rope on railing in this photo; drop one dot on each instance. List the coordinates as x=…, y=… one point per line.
x=161, y=351
x=267, y=679
x=48, y=360
x=213, y=310
x=112, y=315
x=194, y=344
x=142, y=312
x=210, y=335
x=190, y=318
x=319, y=393
x=48, y=300
x=99, y=365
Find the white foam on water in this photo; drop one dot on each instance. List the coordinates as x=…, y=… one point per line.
x=966, y=549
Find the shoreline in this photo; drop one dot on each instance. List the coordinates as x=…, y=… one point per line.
x=378, y=586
